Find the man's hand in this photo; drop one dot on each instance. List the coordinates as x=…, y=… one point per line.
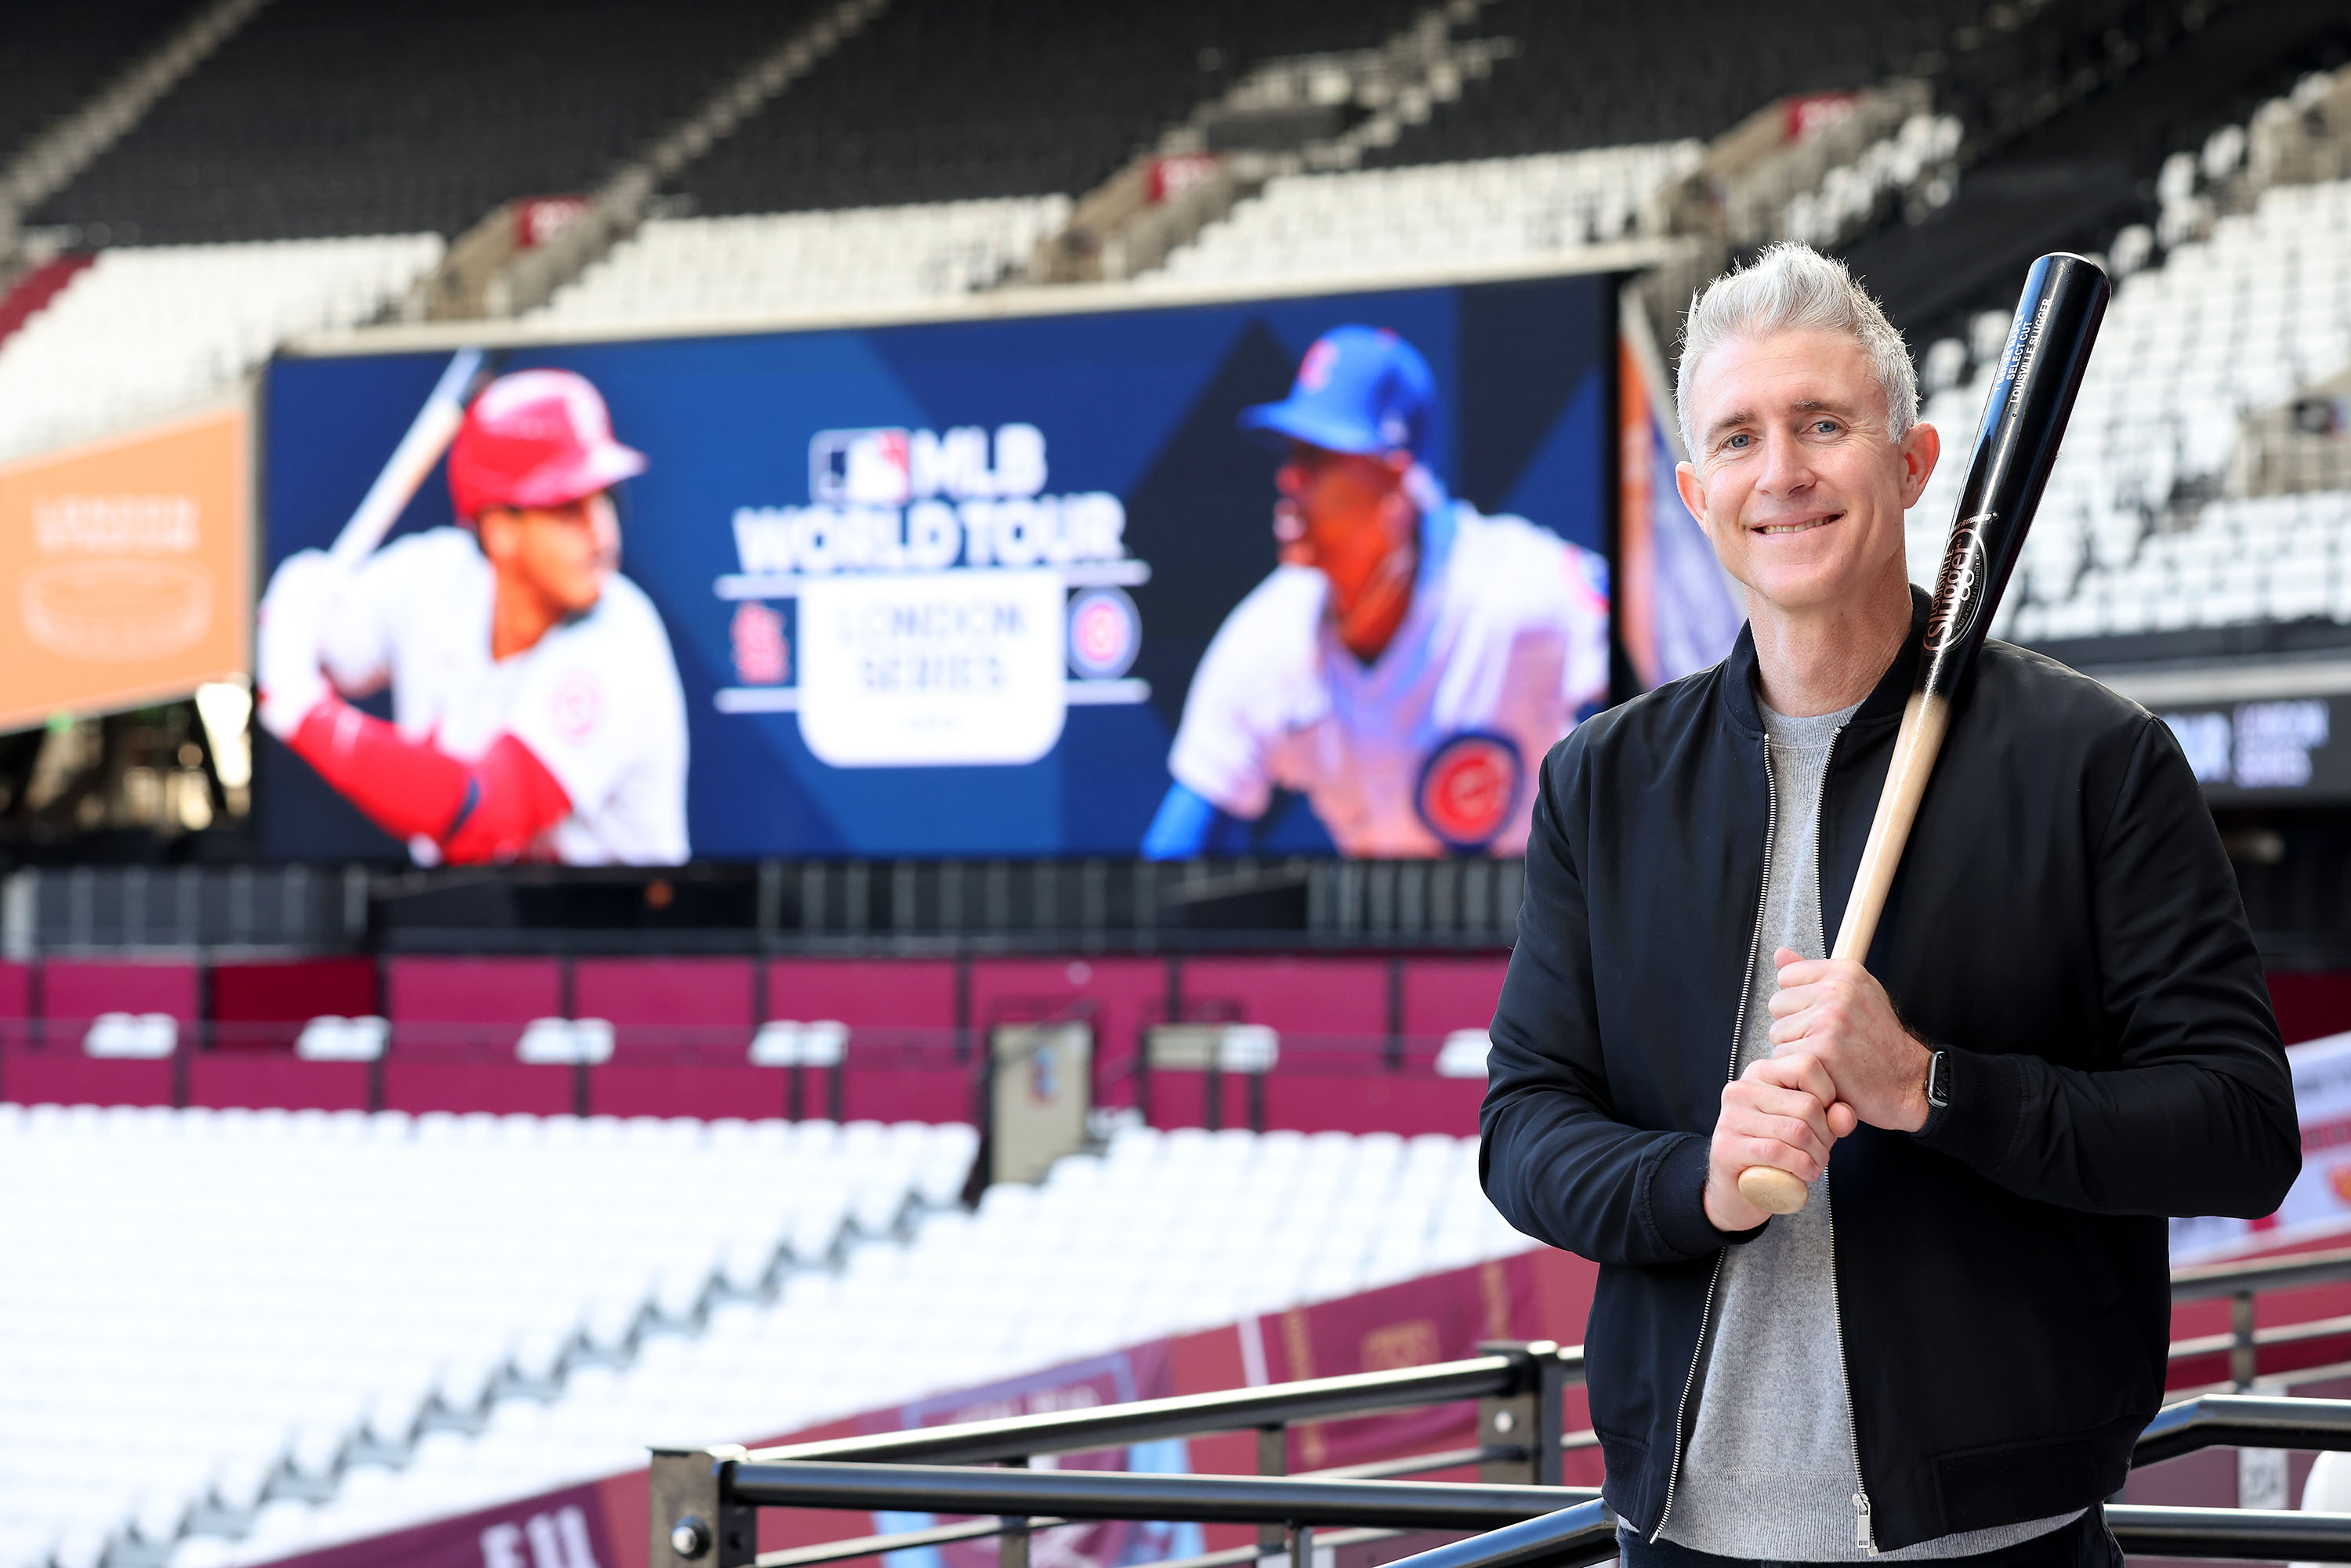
x=1833, y=1012
x=1784, y=1111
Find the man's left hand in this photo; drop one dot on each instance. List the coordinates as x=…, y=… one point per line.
x=1834, y=1009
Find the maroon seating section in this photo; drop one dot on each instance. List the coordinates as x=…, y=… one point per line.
x=907, y=1061
x=73, y=993
x=1358, y=1035
x=455, y=1022
x=680, y=1029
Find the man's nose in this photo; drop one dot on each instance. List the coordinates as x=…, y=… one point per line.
x=1290, y=479
x=1787, y=464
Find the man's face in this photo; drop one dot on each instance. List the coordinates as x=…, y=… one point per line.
x=1795, y=478
x=563, y=555
x=1343, y=514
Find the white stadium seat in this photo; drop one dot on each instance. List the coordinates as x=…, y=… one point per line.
x=316, y=1326
x=147, y=331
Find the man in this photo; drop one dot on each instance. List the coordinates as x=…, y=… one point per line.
x=2062, y=1034
x=537, y=713
x=1408, y=662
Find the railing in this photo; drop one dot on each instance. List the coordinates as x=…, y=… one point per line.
x=705, y=1501
x=2305, y=1345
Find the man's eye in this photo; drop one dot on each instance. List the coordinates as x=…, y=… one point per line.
x=1737, y=442
x=1824, y=426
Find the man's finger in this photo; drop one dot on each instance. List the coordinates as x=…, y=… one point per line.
x=1795, y=1069
x=1748, y=1152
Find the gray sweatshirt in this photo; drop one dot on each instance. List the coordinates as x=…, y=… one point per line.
x=1772, y=1471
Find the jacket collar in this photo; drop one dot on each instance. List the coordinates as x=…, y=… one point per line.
x=1884, y=704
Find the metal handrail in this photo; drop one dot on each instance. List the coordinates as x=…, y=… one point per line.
x=2204, y=1280
x=2244, y=1421
x=1586, y=1534
x=1130, y=1494
x=1567, y=1539
x=1191, y=1414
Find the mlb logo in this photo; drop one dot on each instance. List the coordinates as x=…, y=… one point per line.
x=861, y=467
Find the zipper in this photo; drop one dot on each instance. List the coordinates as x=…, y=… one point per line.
x=1729, y=1071
x=1864, y=1533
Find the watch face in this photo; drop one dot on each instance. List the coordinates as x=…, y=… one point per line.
x=1939, y=1080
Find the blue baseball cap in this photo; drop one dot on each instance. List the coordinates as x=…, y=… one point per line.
x=1359, y=389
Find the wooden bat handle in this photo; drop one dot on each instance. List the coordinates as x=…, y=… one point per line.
x=1924, y=721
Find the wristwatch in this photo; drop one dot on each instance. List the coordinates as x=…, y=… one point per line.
x=1938, y=1089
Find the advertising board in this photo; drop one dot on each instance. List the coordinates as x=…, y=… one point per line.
x=125, y=567
x=950, y=587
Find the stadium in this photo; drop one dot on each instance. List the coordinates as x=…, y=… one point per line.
x=718, y=849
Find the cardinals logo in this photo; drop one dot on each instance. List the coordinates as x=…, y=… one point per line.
x=1467, y=789
x=1959, y=595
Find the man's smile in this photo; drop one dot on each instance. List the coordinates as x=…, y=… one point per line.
x=1799, y=525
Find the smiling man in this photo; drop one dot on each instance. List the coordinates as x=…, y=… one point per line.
x=2060, y=1037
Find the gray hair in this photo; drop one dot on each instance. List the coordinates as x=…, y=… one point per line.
x=1793, y=288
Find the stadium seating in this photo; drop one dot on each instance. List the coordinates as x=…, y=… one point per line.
x=148, y=331
x=437, y=1337
x=945, y=100
x=2135, y=534
x=688, y=270
x=53, y=56
x=322, y=119
x=234, y=1307
x=1571, y=84
x=1494, y=213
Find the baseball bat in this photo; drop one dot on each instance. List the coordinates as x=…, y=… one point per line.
x=429, y=434
x=2016, y=445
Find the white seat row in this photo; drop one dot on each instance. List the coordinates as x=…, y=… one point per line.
x=684, y=270
x=305, y=1247
x=2224, y=328
x=145, y=330
x=237, y=1302
x=1487, y=212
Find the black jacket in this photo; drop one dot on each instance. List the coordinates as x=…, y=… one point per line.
x=2064, y=922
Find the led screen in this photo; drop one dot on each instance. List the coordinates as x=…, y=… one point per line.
x=950, y=588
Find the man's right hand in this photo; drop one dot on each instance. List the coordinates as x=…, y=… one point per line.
x=1782, y=1112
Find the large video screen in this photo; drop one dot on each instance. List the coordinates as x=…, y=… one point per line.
x=1321, y=575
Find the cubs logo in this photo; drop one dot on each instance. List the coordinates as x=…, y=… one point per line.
x=1105, y=633
x=1467, y=789
x=1959, y=593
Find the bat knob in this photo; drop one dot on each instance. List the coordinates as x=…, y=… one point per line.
x=1772, y=1190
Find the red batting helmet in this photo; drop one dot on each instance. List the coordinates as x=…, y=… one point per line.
x=536, y=438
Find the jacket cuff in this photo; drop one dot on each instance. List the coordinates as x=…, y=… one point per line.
x=1678, y=1202
x=1978, y=1127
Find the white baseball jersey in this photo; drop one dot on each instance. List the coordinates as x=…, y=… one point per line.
x=596, y=700
x=1433, y=746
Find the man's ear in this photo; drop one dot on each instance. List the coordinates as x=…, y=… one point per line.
x=1922, y=447
x=1693, y=494
x=494, y=529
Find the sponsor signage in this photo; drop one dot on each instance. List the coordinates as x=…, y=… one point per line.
x=124, y=567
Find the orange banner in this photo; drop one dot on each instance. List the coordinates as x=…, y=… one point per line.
x=126, y=568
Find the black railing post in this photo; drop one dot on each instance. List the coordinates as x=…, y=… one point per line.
x=1527, y=1419
x=693, y=1522
x=2241, y=1367
x=1272, y=1459
x=1013, y=1548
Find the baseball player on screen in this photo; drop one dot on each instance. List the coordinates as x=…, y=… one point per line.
x=537, y=711
x=1409, y=662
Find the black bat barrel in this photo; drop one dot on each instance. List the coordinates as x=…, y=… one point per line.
x=2024, y=418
